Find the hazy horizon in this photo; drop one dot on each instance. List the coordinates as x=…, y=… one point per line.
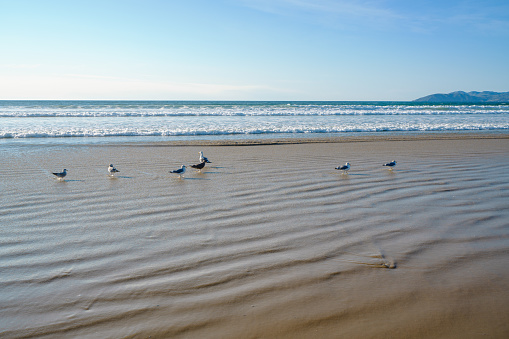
x=258, y=50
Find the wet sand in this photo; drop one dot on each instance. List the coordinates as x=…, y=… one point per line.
x=269, y=241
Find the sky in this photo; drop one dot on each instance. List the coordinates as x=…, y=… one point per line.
x=346, y=50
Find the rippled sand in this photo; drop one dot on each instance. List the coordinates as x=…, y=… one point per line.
x=268, y=242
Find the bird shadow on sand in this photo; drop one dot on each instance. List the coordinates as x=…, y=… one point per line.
x=187, y=178
x=347, y=175
x=120, y=177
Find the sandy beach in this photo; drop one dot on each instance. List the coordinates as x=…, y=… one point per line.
x=268, y=241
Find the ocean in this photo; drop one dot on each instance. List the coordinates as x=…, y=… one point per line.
x=113, y=121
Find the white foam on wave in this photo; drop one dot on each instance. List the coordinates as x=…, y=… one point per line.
x=150, y=109
x=246, y=131
x=90, y=119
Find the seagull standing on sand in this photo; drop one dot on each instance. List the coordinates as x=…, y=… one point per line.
x=391, y=164
x=344, y=168
x=199, y=167
x=180, y=171
x=112, y=170
x=203, y=159
x=61, y=175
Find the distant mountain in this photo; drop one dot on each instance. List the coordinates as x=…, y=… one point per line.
x=464, y=97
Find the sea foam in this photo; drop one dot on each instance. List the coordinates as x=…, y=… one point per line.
x=50, y=119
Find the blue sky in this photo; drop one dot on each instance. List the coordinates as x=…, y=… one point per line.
x=251, y=49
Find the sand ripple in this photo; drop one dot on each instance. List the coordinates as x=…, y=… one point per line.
x=270, y=241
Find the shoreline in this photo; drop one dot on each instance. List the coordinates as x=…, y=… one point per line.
x=254, y=140
x=328, y=140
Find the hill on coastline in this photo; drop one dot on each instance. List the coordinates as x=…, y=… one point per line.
x=464, y=97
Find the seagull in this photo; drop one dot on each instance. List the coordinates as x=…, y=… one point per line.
x=200, y=166
x=344, y=168
x=61, y=175
x=390, y=164
x=180, y=171
x=112, y=170
x=203, y=159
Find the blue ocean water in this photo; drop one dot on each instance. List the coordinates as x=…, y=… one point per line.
x=110, y=121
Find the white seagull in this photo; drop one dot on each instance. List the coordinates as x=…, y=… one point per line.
x=390, y=164
x=61, y=175
x=203, y=159
x=180, y=171
x=344, y=168
x=112, y=170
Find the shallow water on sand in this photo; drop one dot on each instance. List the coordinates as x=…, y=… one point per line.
x=268, y=241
